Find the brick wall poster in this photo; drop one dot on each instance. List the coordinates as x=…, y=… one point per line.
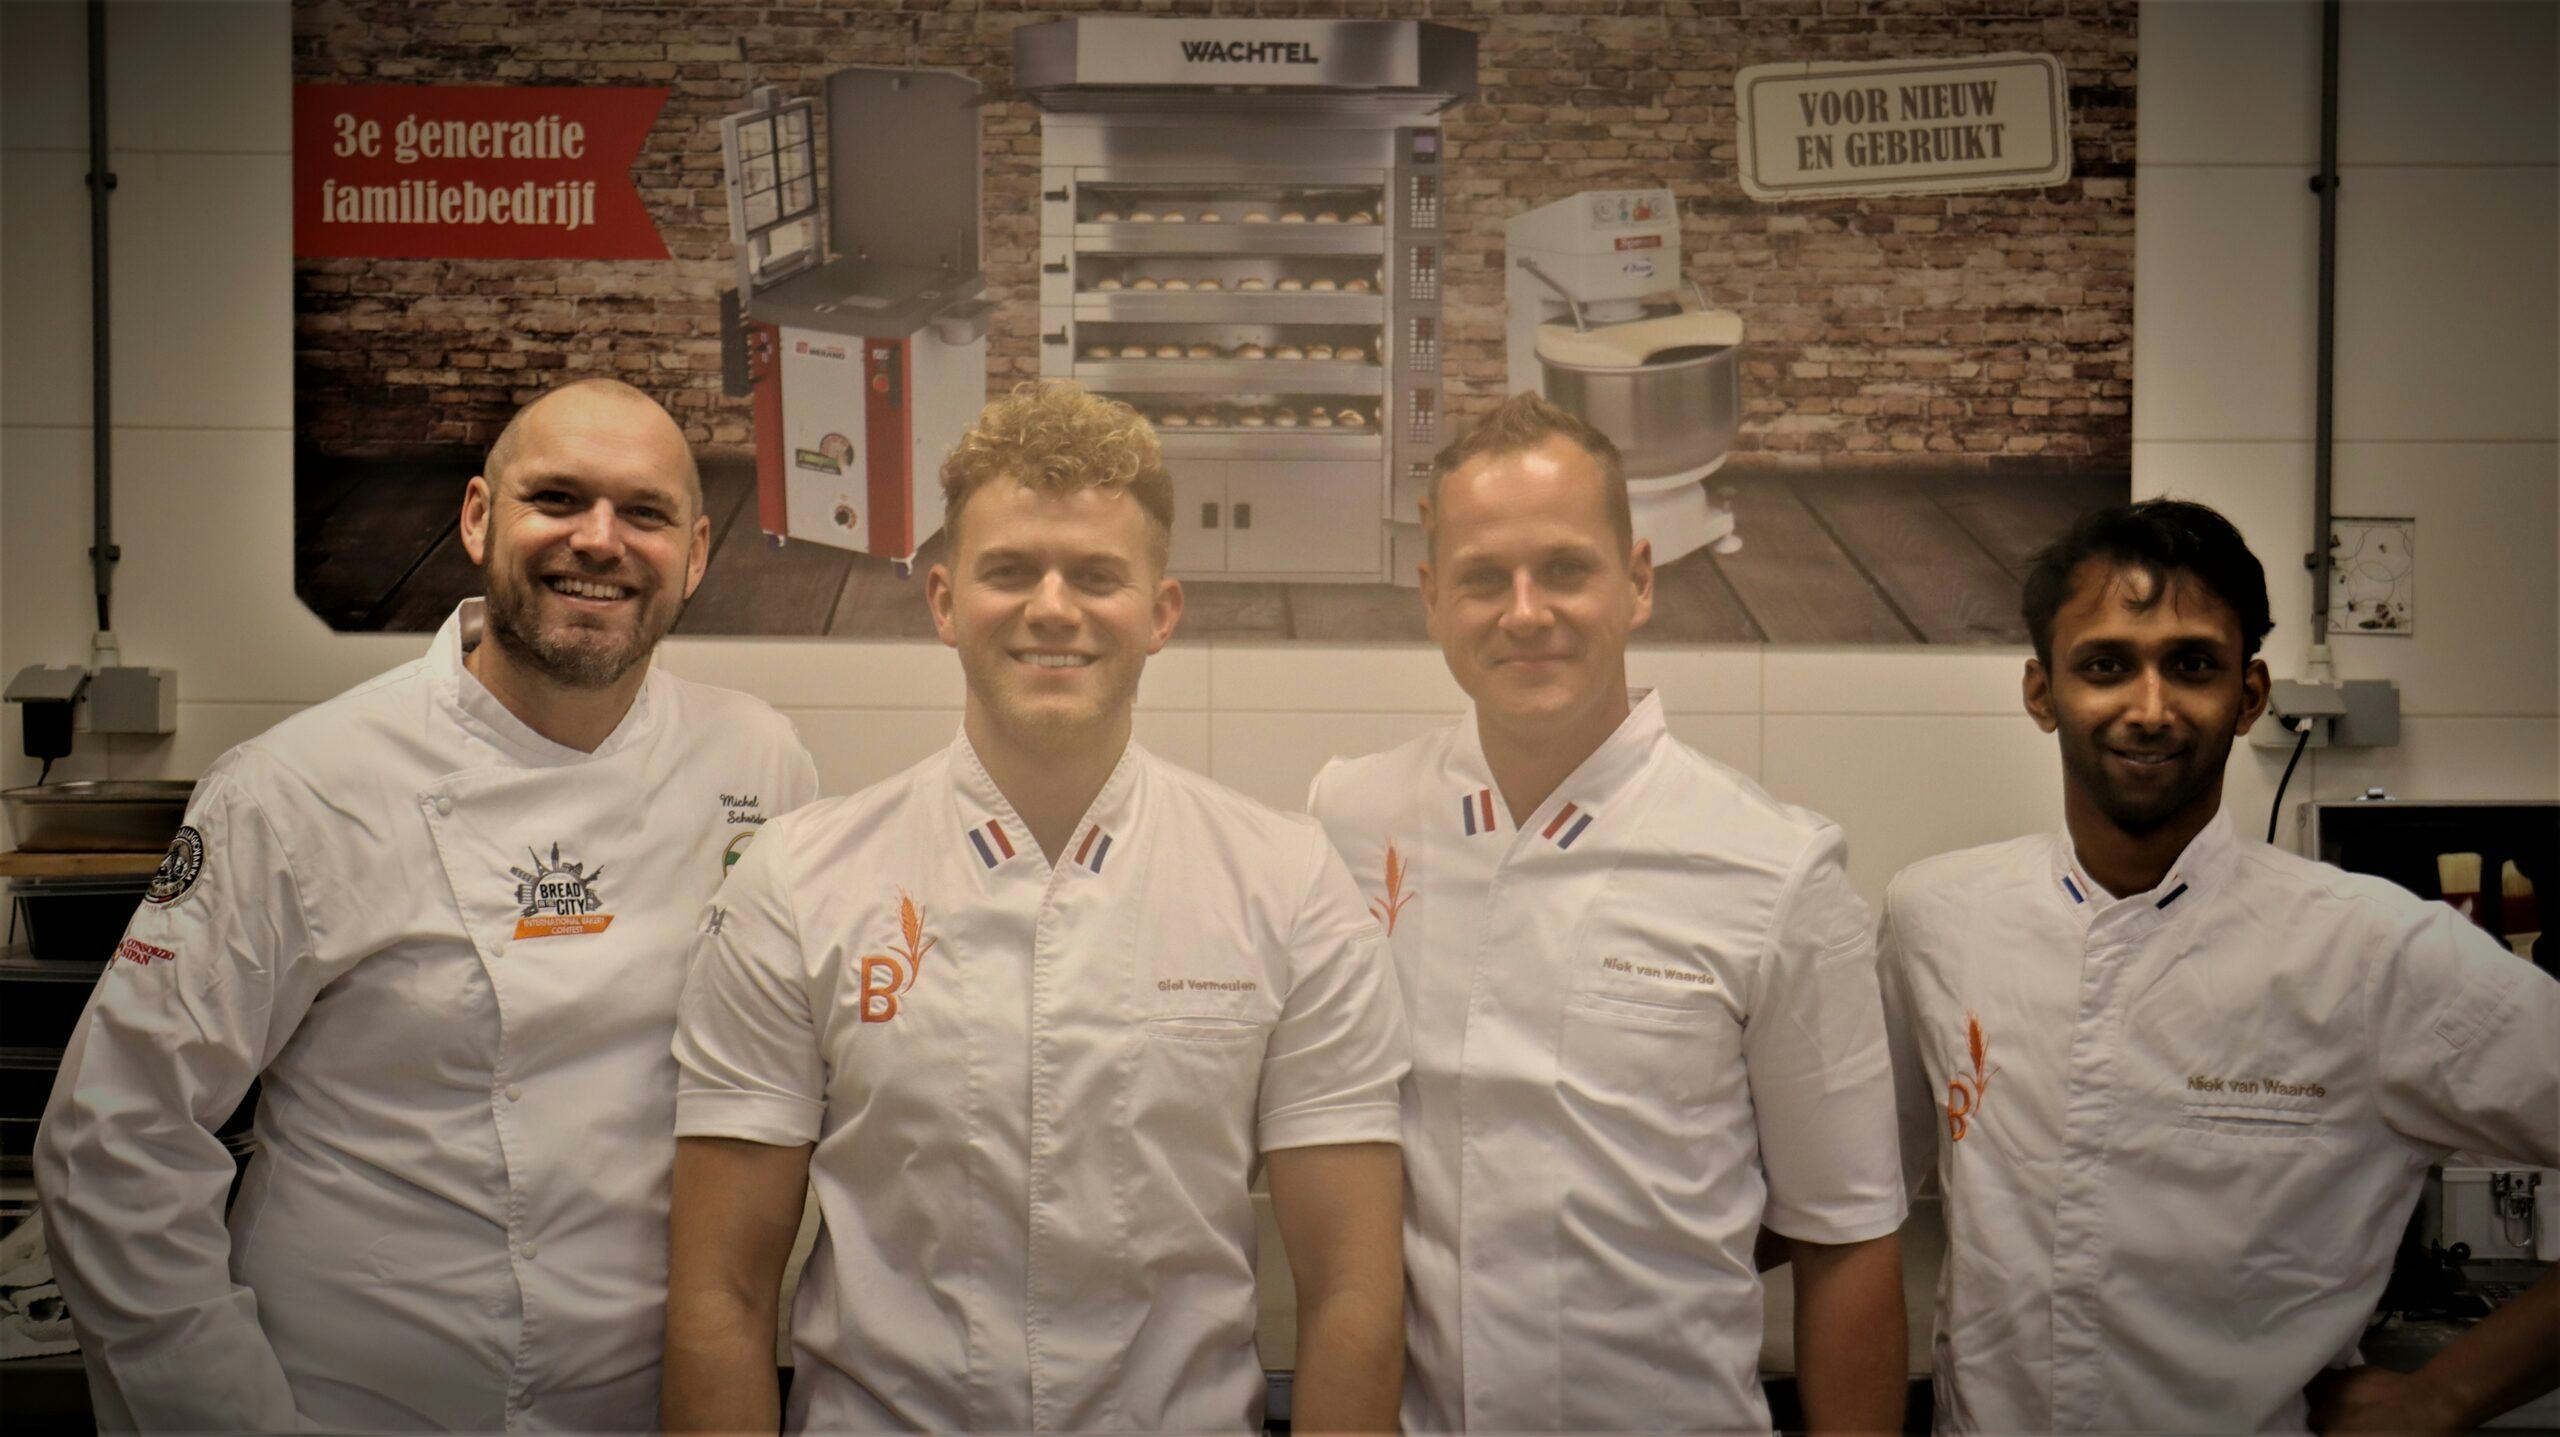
x=1850, y=282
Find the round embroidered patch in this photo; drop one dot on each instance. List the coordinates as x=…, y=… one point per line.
x=178, y=869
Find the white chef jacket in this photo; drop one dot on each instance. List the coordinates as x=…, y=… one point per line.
x=1644, y=1023
x=450, y=949
x=1038, y=1094
x=2208, y=1111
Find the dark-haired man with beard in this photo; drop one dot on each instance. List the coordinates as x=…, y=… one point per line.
x=2181, y=1088
x=442, y=919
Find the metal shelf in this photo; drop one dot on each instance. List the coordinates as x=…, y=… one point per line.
x=1233, y=306
x=1230, y=239
x=1230, y=376
x=1268, y=443
x=18, y=964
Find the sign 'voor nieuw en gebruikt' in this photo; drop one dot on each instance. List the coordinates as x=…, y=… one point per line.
x=1897, y=127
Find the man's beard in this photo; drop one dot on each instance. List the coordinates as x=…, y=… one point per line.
x=2136, y=814
x=573, y=658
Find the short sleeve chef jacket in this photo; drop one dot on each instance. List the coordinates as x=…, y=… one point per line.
x=1642, y=1024
x=451, y=950
x=1037, y=1094
x=2180, y=1131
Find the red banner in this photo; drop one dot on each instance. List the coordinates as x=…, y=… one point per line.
x=471, y=172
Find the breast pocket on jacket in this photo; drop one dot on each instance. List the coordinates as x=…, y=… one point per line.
x=2248, y=1122
x=1200, y=1068
x=1645, y=1051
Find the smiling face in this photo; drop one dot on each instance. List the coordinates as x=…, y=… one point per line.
x=1054, y=599
x=1530, y=592
x=2148, y=687
x=589, y=537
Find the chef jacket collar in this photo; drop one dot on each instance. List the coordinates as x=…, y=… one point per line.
x=1581, y=799
x=994, y=836
x=481, y=711
x=2202, y=867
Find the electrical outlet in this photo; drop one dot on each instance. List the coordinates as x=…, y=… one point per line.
x=2291, y=707
x=2360, y=713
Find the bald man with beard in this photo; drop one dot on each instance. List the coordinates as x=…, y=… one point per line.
x=442, y=920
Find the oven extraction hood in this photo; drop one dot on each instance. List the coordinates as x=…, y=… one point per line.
x=1385, y=66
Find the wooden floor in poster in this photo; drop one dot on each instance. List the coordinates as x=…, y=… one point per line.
x=1877, y=558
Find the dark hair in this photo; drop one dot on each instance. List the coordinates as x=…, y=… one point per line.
x=2162, y=537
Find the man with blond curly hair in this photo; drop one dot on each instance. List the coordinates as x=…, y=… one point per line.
x=1029, y=1016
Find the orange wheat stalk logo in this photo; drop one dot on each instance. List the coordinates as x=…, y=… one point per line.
x=1386, y=909
x=886, y=975
x=1964, y=1097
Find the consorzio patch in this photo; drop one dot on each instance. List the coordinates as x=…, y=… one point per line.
x=178, y=869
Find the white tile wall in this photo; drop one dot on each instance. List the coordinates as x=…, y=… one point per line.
x=205, y=520
x=2453, y=758
x=45, y=614
x=2228, y=83
x=856, y=748
x=164, y=95
x=1897, y=680
x=2225, y=303
x=2487, y=586
x=2448, y=290
x=830, y=673
x=1905, y=788
x=1331, y=679
x=44, y=285
x=822, y=673
x=1355, y=679
x=44, y=63
x=2445, y=82
x=1274, y=756
x=1180, y=737
x=1730, y=739
x=203, y=249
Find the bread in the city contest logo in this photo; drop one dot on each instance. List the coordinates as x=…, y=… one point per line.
x=558, y=898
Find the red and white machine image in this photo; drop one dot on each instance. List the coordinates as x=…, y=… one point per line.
x=859, y=323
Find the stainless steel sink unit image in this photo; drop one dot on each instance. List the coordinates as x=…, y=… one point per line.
x=1241, y=235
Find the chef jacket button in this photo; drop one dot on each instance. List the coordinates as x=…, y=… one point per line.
x=527, y=1251
x=514, y=1093
x=444, y=804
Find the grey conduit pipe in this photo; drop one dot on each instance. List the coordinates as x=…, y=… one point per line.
x=102, y=182
x=2323, y=420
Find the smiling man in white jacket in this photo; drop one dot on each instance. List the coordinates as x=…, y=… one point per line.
x=1645, y=1021
x=442, y=920
x=2179, y=1086
x=1028, y=1017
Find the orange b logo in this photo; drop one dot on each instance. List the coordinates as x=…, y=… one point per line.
x=885, y=976
x=881, y=980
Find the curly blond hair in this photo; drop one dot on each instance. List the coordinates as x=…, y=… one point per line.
x=1056, y=436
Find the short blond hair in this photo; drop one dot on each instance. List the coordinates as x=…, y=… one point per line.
x=1527, y=421
x=1056, y=436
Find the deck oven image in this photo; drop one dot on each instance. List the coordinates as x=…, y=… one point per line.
x=860, y=317
x=1240, y=235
